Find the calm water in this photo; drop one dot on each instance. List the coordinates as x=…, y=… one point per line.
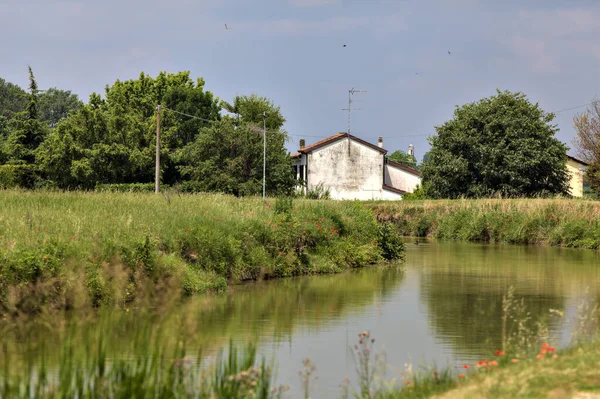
x=442, y=306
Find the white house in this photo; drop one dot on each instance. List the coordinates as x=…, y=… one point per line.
x=351, y=168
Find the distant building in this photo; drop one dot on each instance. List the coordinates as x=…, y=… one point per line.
x=576, y=168
x=351, y=168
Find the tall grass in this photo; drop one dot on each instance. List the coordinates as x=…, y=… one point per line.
x=556, y=222
x=76, y=250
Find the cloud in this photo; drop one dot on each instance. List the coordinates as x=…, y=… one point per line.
x=314, y=3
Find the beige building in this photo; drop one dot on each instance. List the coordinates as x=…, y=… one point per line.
x=576, y=168
x=351, y=168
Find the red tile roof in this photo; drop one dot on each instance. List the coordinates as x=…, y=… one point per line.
x=403, y=167
x=336, y=137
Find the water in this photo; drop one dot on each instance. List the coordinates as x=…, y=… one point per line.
x=443, y=306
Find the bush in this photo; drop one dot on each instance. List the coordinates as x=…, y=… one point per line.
x=17, y=176
x=390, y=242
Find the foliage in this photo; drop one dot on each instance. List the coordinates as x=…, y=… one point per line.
x=112, y=140
x=417, y=194
x=13, y=99
x=404, y=158
x=117, y=247
x=556, y=222
x=25, y=131
x=55, y=104
x=392, y=246
x=587, y=125
x=502, y=145
x=319, y=192
x=227, y=156
x=21, y=176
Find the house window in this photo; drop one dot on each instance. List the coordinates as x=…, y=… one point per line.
x=295, y=171
x=302, y=173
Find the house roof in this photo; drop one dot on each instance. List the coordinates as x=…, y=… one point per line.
x=336, y=137
x=296, y=155
x=393, y=189
x=577, y=160
x=405, y=168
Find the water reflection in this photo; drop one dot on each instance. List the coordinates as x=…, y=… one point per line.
x=443, y=306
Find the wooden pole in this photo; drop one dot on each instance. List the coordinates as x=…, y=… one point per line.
x=157, y=172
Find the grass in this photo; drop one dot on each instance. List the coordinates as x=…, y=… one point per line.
x=555, y=222
x=79, y=250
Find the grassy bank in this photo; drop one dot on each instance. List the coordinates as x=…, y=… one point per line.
x=557, y=222
x=76, y=250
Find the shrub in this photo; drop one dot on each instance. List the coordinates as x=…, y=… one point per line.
x=390, y=242
x=18, y=176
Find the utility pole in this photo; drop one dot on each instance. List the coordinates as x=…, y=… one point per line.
x=157, y=172
x=349, y=109
x=264, y=154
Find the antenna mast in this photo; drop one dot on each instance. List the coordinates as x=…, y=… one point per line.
x=350, y=109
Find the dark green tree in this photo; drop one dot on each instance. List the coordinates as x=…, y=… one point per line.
x=228, y=155
x=403, y=158
x=25, y=131
x=502, y=145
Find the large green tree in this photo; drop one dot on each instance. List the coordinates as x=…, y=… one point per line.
x=13, y=99
x=227, y=156
x=113, y=139
x=501, y=145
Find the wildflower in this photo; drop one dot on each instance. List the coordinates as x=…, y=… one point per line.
x=543, y=351
x=465, y=366
x=554, y=356
x=461, y=376
x=539, y=356
x=515, y=360
x=545, y=345
x=551, y=349
x=44, y=257
x=481, y=363
x=499, y=353
x=406, y=383
x=493, y=363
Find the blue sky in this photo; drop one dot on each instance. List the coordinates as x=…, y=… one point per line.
x=292, y=52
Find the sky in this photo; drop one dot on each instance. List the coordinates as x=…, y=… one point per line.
x=292, y=51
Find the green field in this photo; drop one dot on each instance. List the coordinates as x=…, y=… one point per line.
x=73, y=250
x=556, y=222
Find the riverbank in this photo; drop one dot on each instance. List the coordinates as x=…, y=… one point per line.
x=556, y=222
x=79, y=250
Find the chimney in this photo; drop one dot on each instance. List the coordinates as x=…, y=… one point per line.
x=302, y=143
x=411, y=150
x=380, y=142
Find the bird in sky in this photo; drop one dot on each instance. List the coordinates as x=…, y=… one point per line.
x=448, y=51
x=344, y=45
x=226, y=28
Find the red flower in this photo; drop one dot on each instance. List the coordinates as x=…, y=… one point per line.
x=515, y=360
x=406, y=382
x=545, y=345
x=499, y=353
x=465, y=366
x=481, y=363
x=551, y=349
x=461, y=376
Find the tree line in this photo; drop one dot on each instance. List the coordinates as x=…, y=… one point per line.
x=52, y=139
x=498, y=146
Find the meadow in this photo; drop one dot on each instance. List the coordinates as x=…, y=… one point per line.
x=77, y=250
x=557, y=222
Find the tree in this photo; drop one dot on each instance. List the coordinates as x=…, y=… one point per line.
x=404, y=158
x=112, y=140
x=502, y=145
x=12, y=99
x=25, y=132
x=55, y=104
x=228, y=155
x=587, y=126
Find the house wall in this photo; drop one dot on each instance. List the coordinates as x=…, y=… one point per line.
x=576, y=178
x=350, y=170
x=300, y=164
x=391, y=196
x=401, y=179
